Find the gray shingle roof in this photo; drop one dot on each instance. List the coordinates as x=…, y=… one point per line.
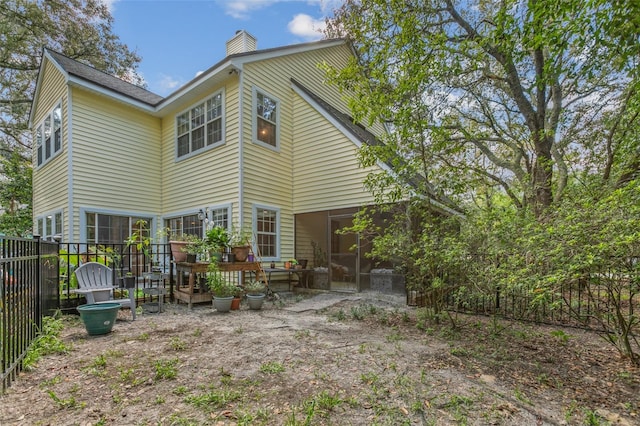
x=92, y=75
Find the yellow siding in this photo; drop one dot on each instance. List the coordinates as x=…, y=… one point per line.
x=321, y=172
x=116, y=156
x=326, y=170
x=210, y=177
x=50, y=181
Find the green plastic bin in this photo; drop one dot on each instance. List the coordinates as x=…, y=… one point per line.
x=98, y=318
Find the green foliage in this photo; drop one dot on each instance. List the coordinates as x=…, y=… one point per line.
x=218, y=284
x=489, y=98
x=47, y=342
x=15, y=196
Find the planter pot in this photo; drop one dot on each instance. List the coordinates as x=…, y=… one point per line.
x=128, y=282
x=321, y=279
x=177, y=250
x=190, y=258
x=222, y=304
x=99, y=318
x=235, y=304
x=255, y=301
x=241, y=253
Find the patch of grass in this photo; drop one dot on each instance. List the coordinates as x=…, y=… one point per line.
x=178, y=344
x=64, y=403
x=47, y=342
x=180, y=390
x=301, y=334
x=215, y=399
x=272, y=367
x=143, y=337
x=166, y=369
x=561, y=336
x=338, y=316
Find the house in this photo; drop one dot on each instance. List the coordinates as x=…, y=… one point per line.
x=257, y=141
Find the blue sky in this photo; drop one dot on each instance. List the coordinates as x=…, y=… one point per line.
x=179, y=38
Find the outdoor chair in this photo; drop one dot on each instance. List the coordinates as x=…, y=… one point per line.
x=95, y=283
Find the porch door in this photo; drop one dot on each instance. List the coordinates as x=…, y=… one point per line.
x=344, y=265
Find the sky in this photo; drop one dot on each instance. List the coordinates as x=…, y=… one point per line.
x=177, y=39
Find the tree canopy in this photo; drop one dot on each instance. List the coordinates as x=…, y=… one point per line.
x=512, y=96
x=79, y=29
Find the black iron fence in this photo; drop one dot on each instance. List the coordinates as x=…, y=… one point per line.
x=29, y=291
x=150, y=267
x=595, y=299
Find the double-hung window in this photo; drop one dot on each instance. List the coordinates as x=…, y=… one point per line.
x=201, y=126
x=49, y=136
x=266, y=118
x=267, y=231
x=50, y=225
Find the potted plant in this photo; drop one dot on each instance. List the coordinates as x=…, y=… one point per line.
x=290, y=264
x=237, y=298
x=222, y=290
x=217, y=240
x=138, y=245
x=240, y=244
x=255, y=294
x=178, y=245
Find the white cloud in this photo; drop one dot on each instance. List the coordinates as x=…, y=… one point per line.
x=306, y=27
x=167, y=84
x=240, y=9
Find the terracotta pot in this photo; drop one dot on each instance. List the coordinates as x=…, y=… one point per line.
x=179, y=255
x=241, y=253
x=235, y=304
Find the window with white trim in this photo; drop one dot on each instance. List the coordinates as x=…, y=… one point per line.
x=112, y=229
x=267, y=118
x=50, y=225
x=201, y=126
x=49, y=136
x=267, y=230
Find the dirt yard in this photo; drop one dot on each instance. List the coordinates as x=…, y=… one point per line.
x=326, y=360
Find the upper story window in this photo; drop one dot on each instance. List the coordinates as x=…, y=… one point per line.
x=49, y=136
x=201, y=126
x=266, y=118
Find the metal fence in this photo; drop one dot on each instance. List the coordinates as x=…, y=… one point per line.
x=148, y=267
x=29, y=291
x=594, y=300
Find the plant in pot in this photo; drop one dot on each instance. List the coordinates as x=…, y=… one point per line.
x=179, y=243
x=193, y=250
x=222, y=290
x=217, y=240
x=255, y=294
x=138, y=246
x=240, y=244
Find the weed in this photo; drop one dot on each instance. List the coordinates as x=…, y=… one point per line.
x=47, y=342
x=178, y=344
x=338, y=316
x=197, y=332
x=180, y=390
x=143, y=337
x=51, y=382
x=100, y=361
x=358, y=312
x=301, y=334
x=272, y=367
x=362, y=348
x=520, y=396
x=592, y=418
x=561, y=336
x=214, y=399
x=369, y=378
x=394, y=337
x=63, y=403
x=166, y=369
x=238, y=330
x=176, y=419
x=160, y=400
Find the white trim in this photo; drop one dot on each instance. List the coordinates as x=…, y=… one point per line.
x=254, y=229
x=222, y=93
x=254, y=118
x=70, y=162
x=241, y=148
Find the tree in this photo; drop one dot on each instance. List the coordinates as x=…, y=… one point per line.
x=15, y=196
x=79, y=29
x=484, y=96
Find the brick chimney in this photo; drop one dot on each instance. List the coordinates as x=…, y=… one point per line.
x=241, y=42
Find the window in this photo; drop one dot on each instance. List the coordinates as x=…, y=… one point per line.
x=49, y=136
x=220, y=217
x=267, y=117
x=185, y=225
x=50, y=225
x=111, y=229
x=200, y=126
x=267, y=230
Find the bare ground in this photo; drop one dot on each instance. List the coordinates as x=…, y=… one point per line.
x=327, y=360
